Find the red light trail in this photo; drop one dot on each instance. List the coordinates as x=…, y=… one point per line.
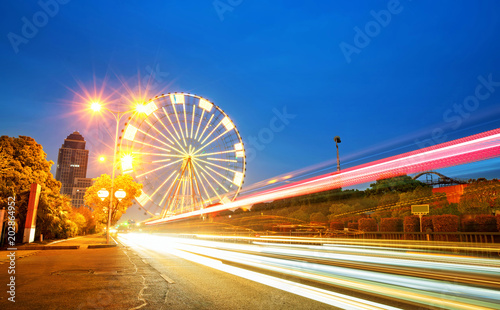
x=473, y=148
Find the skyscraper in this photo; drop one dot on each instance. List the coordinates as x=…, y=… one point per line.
x=72, y=168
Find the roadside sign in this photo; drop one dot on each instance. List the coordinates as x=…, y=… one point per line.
x=420, y=209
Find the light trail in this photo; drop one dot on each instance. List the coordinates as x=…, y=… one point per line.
x=331, y=298
x=469, y=149
x=320, y=264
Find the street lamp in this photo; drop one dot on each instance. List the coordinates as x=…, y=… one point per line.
x=96, y=106
x=337, y=141
x=103, y=194
x=120, y=194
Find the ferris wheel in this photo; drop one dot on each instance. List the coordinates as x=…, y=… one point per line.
x=185, y=151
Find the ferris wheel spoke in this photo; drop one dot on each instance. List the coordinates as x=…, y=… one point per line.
x=161, y=133
x=214, y=153
x=217, y=181
x=172, y=123
x=208, y=136
x=210, y=184
x=199, y=123
x=179, y=122
x=168, y=190
x=215, y=165
x=166, y=180
x=195, y=182
x=197, y=175
x=206, y=126
x=151, y=145
x=223, y=159
x=162, y=142
x=159, y=154
x=185, y=120
x=219, y=174
x=164, y=166
x=166, y=128
x=192, y=121
x=214, y=139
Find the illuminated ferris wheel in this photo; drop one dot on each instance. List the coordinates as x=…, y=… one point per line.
x=186, y=152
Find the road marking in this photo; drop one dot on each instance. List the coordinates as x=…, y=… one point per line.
x=167, y=278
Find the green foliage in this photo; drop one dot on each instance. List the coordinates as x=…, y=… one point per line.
x=391, y=224
x=480, y=197
x=339, y=208
x=100, y=208
x=411, y=223
x=389, y=198
x=318, y=217
x=23, y=162
x=300, y=215
x=367, y=224
x=399, y=184
x=446, y=208
x=445, y=223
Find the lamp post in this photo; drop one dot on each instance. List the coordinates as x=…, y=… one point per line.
x=117, y=115
x=337, y=141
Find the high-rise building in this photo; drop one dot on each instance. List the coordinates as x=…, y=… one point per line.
x=72, y=168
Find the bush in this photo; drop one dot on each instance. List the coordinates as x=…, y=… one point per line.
x=336, y=226
x=468, y=225
x=352, y=225
x=367, y=224
x=411, y=223
x=427, y=223
x=485, y=223
x=445, y=223
x=391, y=224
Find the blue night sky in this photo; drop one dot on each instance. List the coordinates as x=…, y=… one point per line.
x=383, y=86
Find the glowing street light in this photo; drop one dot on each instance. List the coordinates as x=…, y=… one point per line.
x=127, y=163
x=96, y=106
x=140, y=108
x=103, y=194
x=102, y=158
x=120, y=194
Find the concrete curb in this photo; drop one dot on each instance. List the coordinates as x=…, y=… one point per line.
x=100, y=246
x=49, y=247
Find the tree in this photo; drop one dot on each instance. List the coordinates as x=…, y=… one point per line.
x=337, y=209
x=23, y=162
x=90, y=224
x=399, y=184
x=100, y=208
x=318, y=217
x=480, y=197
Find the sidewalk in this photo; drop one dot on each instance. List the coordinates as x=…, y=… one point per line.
x=74, y=274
